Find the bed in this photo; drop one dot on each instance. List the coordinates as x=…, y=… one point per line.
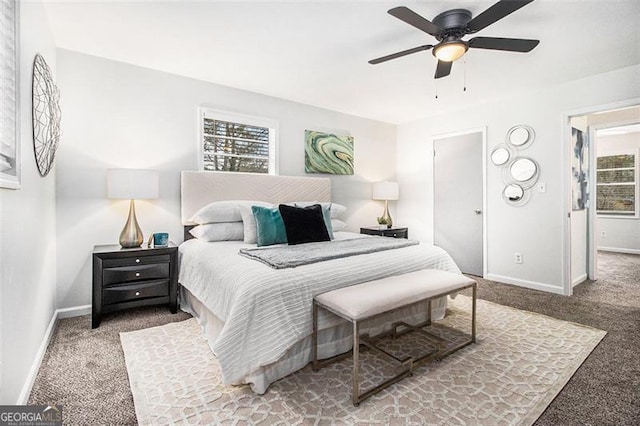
x=256, y=319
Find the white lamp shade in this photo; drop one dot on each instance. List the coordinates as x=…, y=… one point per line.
x=386, y=191
x=132, y=184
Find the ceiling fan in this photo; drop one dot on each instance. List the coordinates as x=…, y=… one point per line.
x=450, y=26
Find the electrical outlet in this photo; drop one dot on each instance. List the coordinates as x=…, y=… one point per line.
x=542, y=187
x=603, y=234
x=518, y=257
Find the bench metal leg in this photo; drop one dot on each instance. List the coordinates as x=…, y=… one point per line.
x=356, y=364
x=473, y=312
x=314, y=339
x=472, y=337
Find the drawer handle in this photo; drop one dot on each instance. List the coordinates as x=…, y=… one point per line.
x=137, y=274
x=137, y=293
x=137, y=260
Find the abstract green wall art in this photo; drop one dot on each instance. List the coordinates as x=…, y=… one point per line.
x=327, y=153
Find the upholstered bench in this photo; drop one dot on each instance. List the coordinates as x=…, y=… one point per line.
x=375, y=298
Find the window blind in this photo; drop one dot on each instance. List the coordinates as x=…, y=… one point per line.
x=242, y=144
x=9, y=92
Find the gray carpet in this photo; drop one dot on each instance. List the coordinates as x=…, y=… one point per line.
x=84, y=369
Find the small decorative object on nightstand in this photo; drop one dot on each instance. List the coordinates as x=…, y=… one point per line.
x=129, y=278
x=389, y=232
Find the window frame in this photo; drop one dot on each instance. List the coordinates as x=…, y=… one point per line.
x=233, y=117
x=621, y=215
x=14, y=181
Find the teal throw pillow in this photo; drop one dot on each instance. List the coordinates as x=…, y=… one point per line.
x=269, y=225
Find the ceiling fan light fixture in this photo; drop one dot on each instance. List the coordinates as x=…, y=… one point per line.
x=450, y=51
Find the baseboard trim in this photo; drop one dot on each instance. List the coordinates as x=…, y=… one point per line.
x=524, y=283
x=33, y=371
x=619, y=250
x=37, y=362
x=74, y=311
x=578, y=280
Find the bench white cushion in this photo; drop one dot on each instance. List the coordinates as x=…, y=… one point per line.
x=371, y=298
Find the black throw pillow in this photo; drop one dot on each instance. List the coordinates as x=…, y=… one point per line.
x=304, y=224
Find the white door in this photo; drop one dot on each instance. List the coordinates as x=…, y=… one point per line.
x=458, y=197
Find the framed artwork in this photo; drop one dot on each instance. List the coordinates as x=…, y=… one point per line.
x=579, y=170
x=10, y=101
x=327, y=153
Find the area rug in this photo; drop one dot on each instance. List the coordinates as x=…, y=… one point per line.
x=519, y=364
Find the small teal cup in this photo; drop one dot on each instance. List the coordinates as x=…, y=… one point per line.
x=160, y=239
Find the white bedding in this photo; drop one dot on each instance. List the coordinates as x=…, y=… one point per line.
x=267, y=311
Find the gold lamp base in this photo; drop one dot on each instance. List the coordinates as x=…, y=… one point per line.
x=386, y=217
x=131, y=235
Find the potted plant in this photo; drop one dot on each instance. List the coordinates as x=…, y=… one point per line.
x=383, y=223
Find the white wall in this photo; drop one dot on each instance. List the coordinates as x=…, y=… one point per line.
x=579, y=231
x=27, y=232
x=119, y=115
x=620, y=233
x=536, y=229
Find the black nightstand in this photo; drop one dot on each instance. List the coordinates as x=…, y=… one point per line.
x=129, y=278
x=386, y=232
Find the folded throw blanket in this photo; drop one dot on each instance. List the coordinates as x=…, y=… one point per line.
x=280, y=257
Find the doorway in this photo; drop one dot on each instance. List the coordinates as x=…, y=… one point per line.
x=459, y=212
x=610, y=219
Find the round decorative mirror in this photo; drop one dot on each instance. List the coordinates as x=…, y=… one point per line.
x=500, y=156
x=520, y=136
x=523, y=170
x=46, y=115
x=513, y=193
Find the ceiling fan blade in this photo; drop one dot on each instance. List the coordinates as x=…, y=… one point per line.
x=443, y=69
x=495, y=13
x=508, y=44
x=410, y=17
x=400, y=54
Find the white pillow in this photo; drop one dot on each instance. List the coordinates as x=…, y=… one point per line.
x=229, y=231
x=338, y=225
x=336, y=209
x=222, y=211
x=249, y=222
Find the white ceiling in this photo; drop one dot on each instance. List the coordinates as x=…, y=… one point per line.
x=317, y=52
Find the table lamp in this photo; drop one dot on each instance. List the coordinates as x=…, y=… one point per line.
x=386, y=191
x=132, y=184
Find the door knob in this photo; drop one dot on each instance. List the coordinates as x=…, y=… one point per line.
x=478, y=211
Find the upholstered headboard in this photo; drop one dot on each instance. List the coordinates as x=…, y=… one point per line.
x=202, y=188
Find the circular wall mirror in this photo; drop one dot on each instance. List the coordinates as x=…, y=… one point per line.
x=513, y=193
x=500, y=156
x=523, y=169
x=520, y=136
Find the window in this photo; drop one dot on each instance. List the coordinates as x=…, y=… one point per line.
x=616, y=185
x=10, y=96
x=237, y=143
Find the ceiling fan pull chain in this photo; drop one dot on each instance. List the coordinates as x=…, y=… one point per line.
x=436, y=82
x=464, y=74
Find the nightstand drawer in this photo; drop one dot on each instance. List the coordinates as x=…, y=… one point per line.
x=386, y=232
x=134, y=273
x=395, y=234
x=127, y=293
x=135, y=260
